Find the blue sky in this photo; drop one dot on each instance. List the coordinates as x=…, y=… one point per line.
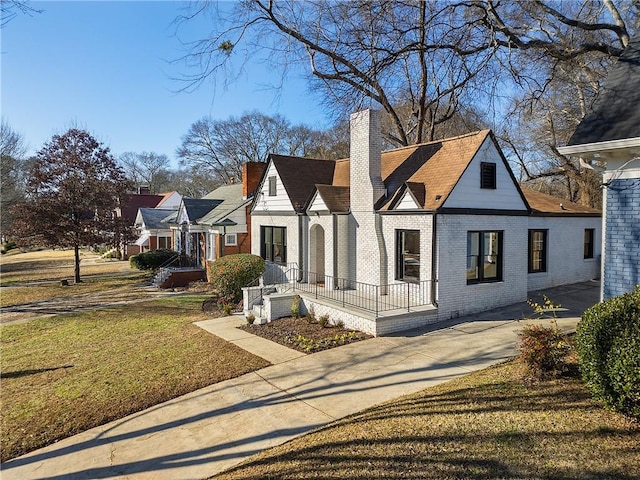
x=105, y=66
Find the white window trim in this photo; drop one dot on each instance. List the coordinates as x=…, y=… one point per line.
x=231, y=244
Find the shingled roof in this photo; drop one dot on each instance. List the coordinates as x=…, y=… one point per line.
x=300, y=176
x=152, y=218
x=544, y=205
x=615, y=114
x=230, y=197
x=196, y=208
x=336, y=198
x=430, y=170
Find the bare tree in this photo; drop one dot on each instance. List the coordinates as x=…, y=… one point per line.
x=13, y=173
x=435, y=67
x=557, y=53
x=147, y=169
x=9, y=9
x=419, y=61
x=223, y=146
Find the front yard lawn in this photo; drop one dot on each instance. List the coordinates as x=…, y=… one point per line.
x=68, y=373
x=487, y=425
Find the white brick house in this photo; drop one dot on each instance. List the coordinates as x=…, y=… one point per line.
x=386, y=241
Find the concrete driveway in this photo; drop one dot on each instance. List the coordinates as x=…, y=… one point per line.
x=205, y=432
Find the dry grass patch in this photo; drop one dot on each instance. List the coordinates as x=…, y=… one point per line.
x=119, y=287
x=48, y=265
x=68, y=373
x=488, y=425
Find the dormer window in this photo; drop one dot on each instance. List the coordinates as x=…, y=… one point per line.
x=272, y=186
x=488, y=175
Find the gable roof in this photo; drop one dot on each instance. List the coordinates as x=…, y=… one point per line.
x=300, y=176
x=429, y=170
x=152, y=218
x=166, y=197
x=230, y=197
x=542, y=204
x=196, y=208
x=615, y=114
x=336, y=198
x=132, y=202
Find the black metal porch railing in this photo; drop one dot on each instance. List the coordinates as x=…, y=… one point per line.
x=345, y=292
x=364, y=296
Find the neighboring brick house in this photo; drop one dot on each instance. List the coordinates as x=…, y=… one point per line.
x=129, y=211
x=610, y=134
x=217, y=224
x=152, y=223
x=441, y=229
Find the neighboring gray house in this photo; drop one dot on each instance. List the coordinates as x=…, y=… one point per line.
x=387, y=241
x=208, y=228
x=610, y=133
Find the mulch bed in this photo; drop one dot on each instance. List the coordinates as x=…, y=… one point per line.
x=304, y=336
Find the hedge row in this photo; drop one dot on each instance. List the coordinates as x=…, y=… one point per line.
x=608, y=343
x=152, y=259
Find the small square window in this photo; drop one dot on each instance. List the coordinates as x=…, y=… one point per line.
x=488, y=175
x=231, y=239
x=272, y=187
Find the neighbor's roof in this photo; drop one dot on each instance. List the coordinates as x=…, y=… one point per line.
x=230, y=197
x=615, y=114
x=132, y=202
x=197, y=208
x=542, y=204
x=152, y=218
x=165, y=197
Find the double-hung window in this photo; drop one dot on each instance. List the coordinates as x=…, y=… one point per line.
x=408, y=255
x=537, y=251
x=164, y=242
x=273, y=244
x=588, y=242
x=484, y=256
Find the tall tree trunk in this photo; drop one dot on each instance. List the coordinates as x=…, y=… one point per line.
x=76, y=252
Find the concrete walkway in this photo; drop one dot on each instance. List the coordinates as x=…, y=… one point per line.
x=205, y=432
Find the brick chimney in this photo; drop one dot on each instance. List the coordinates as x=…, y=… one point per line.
x=365, y=160
x=251, y=176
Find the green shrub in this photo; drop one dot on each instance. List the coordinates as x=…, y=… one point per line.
x=6, y=246
x=543, y=351
x=152, y=259
x=230, y=273
x=608, y=344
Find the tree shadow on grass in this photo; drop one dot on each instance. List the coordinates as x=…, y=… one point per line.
x=25, y=373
